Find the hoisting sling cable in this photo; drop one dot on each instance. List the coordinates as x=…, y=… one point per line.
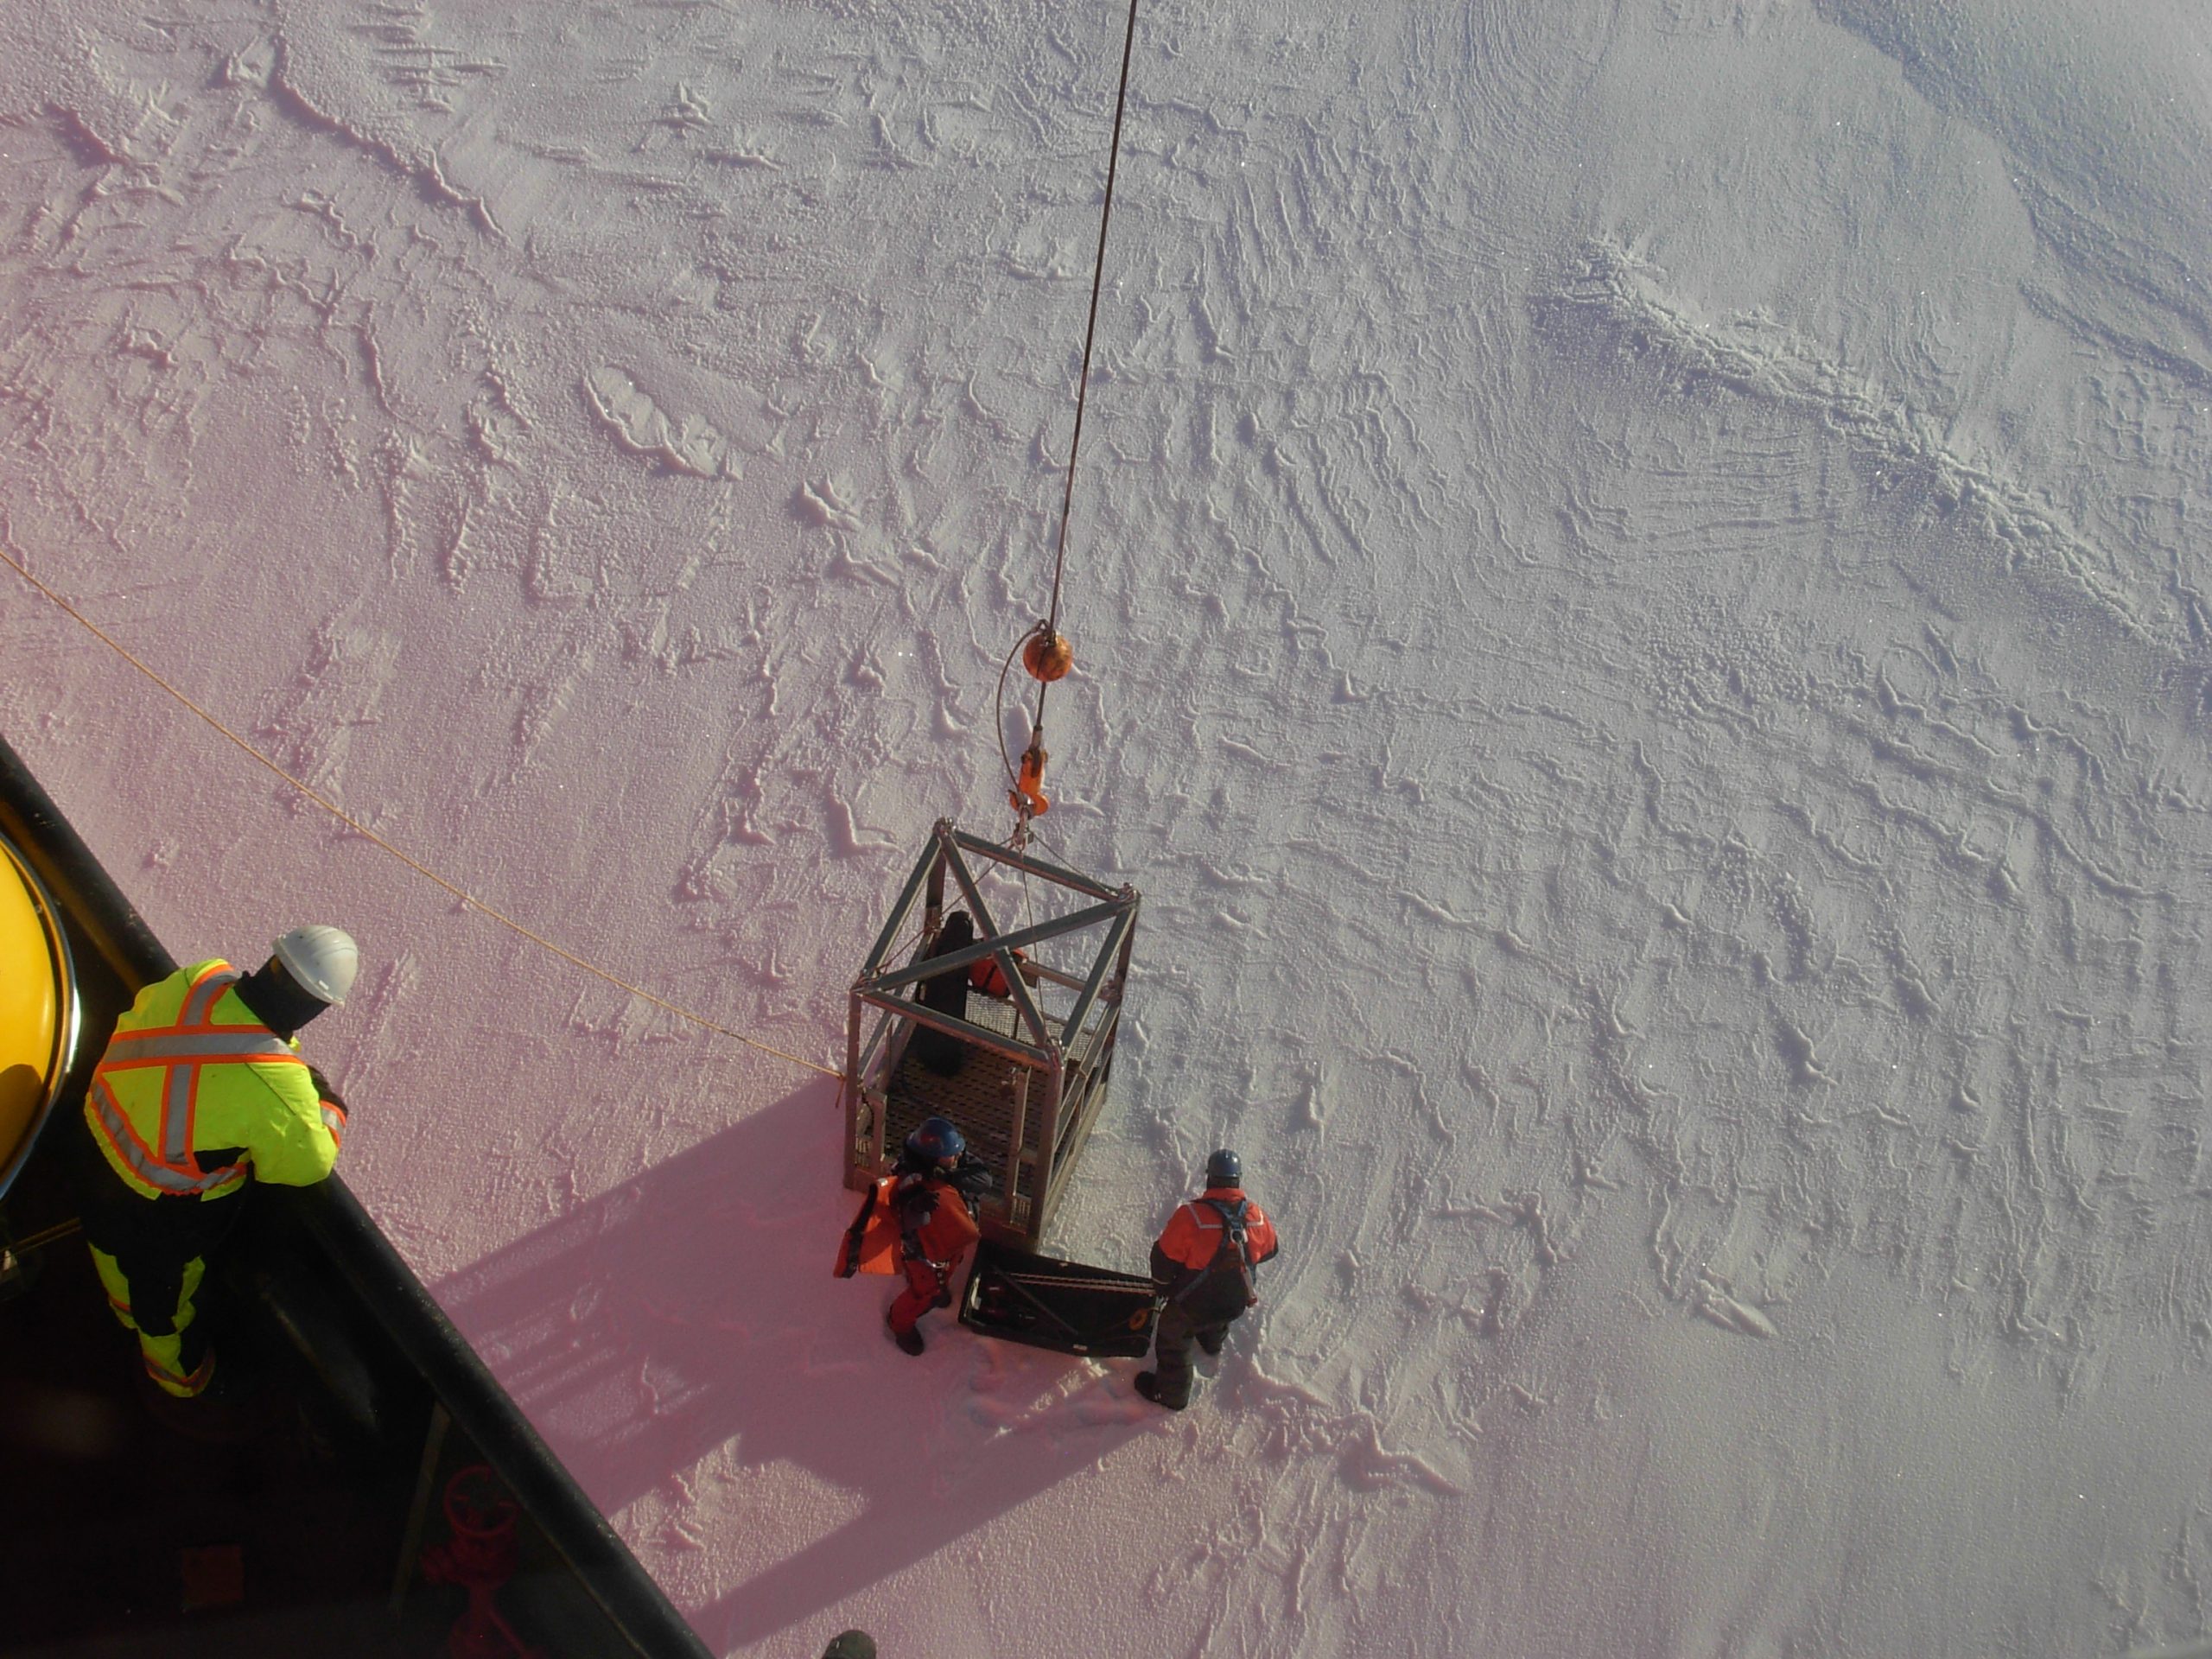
x=1044, y=652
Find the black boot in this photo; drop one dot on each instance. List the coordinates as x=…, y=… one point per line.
x=910, y=1342
x=1148, y=1386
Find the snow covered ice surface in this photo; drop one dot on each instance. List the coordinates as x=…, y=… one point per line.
x=1639, y=582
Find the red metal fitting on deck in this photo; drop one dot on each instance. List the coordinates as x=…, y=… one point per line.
x=479, y=1557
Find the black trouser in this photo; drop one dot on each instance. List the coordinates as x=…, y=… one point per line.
x=1180, y=1325
x=153, y=1245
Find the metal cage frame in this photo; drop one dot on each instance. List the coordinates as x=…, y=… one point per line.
x=1051, y=1068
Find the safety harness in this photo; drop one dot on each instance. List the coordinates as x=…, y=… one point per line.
x=1235, y=1238
x=916, y=1203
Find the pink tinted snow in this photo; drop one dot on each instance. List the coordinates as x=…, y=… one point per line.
x=1637, y=627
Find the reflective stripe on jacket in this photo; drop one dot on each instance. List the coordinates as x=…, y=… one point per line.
x=190, y=1070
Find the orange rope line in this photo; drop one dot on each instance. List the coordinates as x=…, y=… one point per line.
x=423, y=870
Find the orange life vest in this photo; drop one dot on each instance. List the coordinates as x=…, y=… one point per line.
x=986, y=976
x=871, y=1243
x=1195, y=1234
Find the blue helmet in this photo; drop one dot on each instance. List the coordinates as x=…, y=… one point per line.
x=935, y=1141
x=1224, y=1168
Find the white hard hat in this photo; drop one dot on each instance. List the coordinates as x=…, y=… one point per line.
x=322, y=960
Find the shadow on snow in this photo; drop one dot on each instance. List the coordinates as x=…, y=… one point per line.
x=694, y=1306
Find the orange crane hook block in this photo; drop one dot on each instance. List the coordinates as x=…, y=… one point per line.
x=1027, y=795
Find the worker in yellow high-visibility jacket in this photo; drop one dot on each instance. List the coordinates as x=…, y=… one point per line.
x=200, y=1092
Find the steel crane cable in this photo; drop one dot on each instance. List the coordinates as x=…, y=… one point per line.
x=1090, y=335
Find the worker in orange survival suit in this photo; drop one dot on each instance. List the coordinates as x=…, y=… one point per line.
x=201, y=1091
x=936, y=1179
x=1204, y=1262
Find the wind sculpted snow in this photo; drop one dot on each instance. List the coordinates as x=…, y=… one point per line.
x=1640, y=628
